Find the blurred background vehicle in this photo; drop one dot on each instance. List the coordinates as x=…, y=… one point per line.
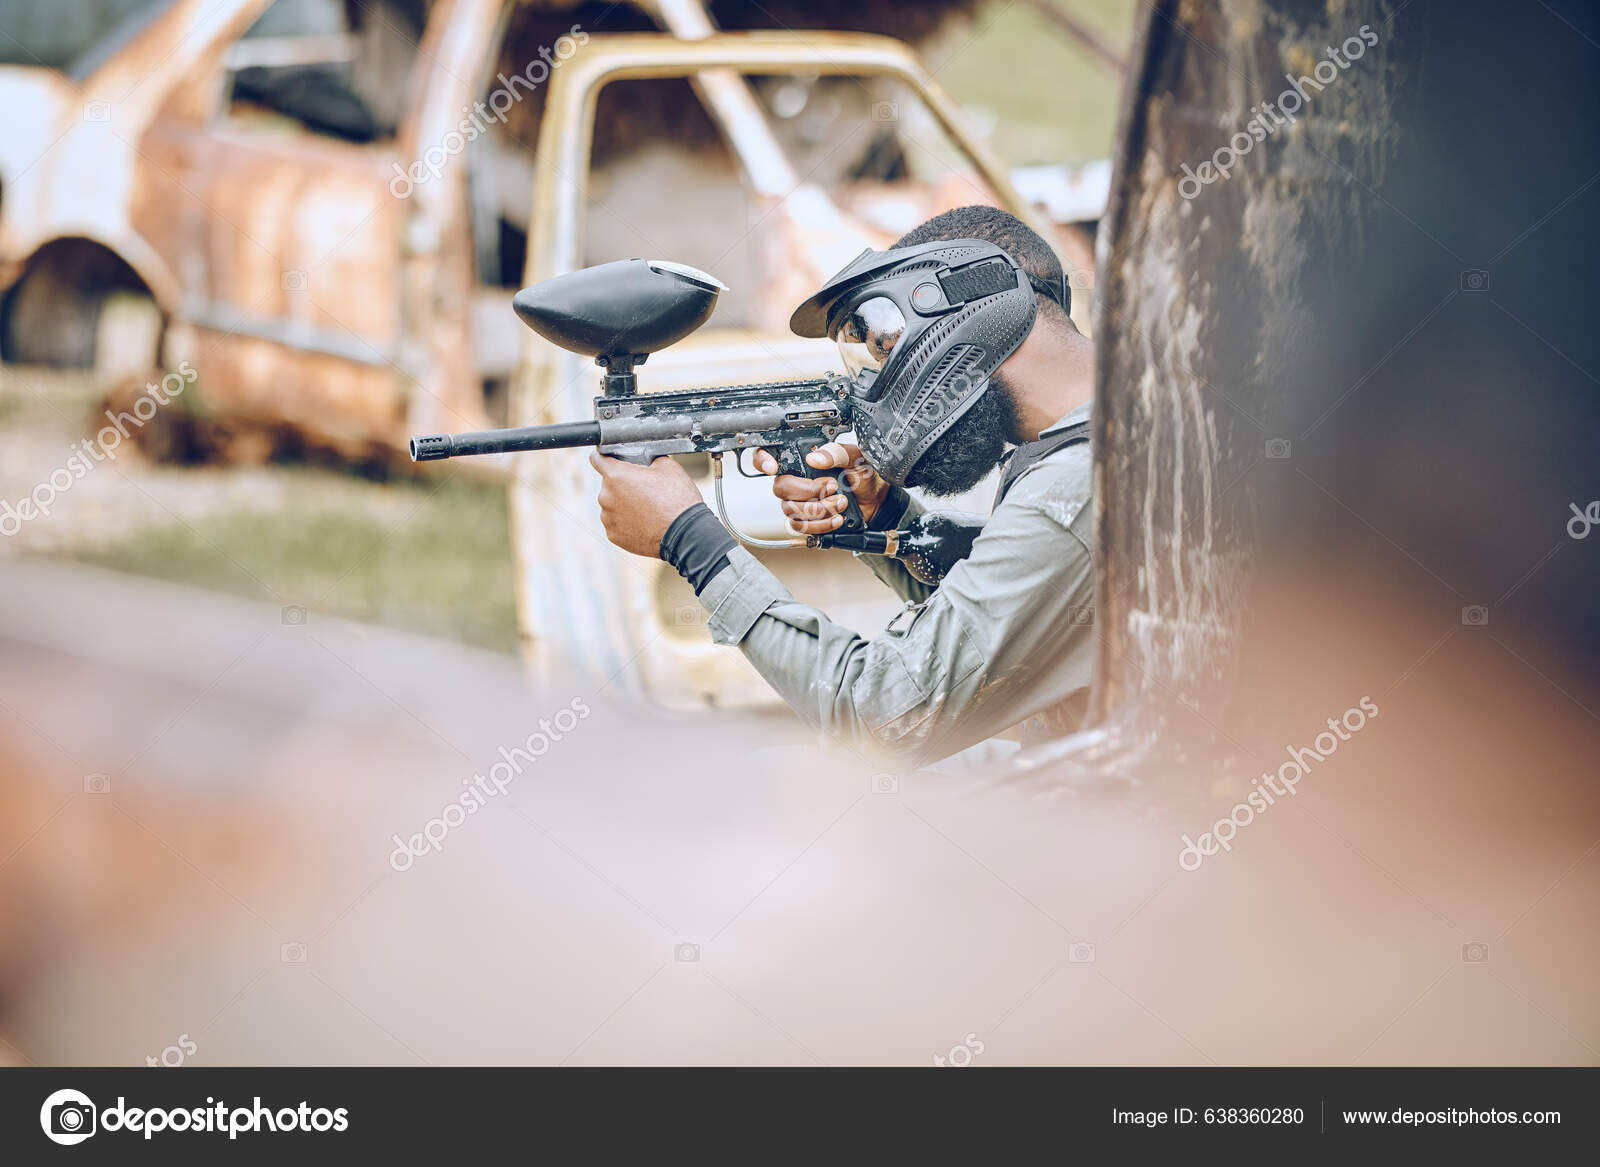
x=239, y=170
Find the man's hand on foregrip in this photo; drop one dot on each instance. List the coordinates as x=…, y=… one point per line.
x=815, y=506
x=638, y=503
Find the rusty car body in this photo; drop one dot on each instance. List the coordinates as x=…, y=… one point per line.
x=277, y=260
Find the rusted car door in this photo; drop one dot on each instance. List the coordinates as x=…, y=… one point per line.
x=315, y=292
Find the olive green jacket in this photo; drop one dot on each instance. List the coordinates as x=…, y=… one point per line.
x=1006, y=638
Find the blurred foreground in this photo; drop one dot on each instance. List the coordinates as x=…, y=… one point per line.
x=198, y=804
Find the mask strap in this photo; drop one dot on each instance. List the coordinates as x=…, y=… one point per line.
x=1059, y=291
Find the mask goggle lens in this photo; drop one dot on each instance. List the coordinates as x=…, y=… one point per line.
x=868, y=334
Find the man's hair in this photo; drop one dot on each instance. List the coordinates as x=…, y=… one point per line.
x=1007, y=232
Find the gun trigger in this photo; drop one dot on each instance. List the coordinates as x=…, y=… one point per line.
x=738, y=461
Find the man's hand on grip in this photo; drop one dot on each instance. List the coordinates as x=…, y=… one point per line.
x=815, y=506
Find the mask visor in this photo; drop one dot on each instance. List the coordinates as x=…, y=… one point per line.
x=867, y=334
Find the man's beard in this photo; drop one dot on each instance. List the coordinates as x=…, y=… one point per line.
x=967, y=451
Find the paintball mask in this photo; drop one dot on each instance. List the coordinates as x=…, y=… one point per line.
x=920, y=329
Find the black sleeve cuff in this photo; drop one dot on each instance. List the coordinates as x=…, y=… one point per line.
x=697, y=545
x=891, y=510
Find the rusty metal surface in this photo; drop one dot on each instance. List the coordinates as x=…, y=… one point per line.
x=554, y=242
x=285, y=268
x=71, y=147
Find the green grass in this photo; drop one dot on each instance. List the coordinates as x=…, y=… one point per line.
x=432, y=559
x=1052, y=99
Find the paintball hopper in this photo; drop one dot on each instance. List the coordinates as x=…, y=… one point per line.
x=619, y=313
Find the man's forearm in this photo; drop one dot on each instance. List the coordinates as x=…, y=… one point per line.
x=1012, y=611
x=698, y=545
x=813, y=664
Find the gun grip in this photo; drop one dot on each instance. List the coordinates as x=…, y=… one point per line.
x=794, y=462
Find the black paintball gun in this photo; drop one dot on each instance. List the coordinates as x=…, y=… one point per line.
x=619, y=313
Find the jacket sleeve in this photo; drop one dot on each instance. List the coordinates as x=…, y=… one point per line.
x=978, y=655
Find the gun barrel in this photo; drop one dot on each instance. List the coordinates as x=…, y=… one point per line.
x=564, y=435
